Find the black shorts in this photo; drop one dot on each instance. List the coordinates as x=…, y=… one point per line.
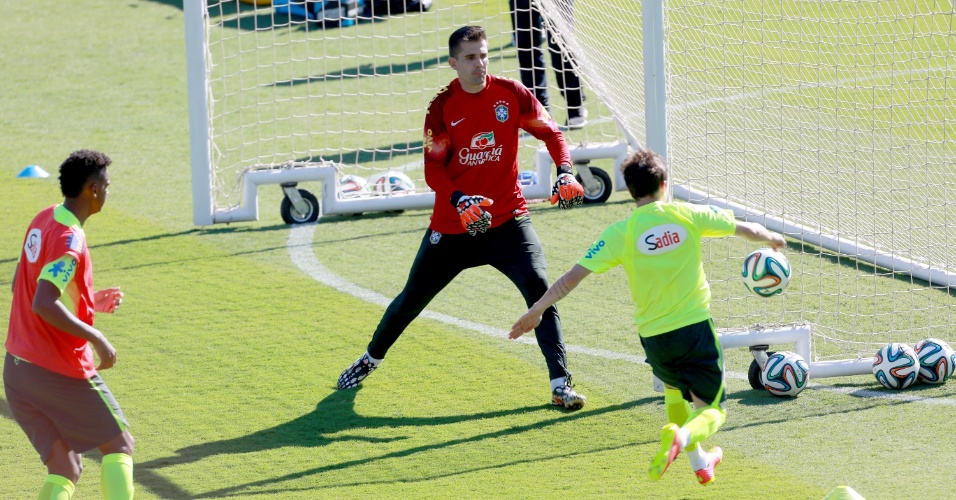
x=49, y=406
x=690, y=359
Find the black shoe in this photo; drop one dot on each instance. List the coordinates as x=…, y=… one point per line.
x=355, y=374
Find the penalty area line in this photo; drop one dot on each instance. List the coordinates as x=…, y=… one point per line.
x=300, y=250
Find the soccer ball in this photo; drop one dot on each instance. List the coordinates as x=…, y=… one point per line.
x=392, y=182
x=352, y=186
x=896, y=366
x=936, y=360
x=785, y=374
x=527, y=177
x=766, y=272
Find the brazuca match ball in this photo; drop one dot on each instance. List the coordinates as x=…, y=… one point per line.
x=785, y=374
x=527, y=177
x=896, y=366
x=392, y=182
x=936, y=360
x=766, y=272
x=352, y=186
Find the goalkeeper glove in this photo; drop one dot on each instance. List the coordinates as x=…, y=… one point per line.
x=474, y=218
x=567, y=191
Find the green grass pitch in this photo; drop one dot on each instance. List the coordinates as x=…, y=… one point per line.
x=228, y=351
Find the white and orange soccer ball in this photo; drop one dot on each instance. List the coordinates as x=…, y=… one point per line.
x=786, y=374
x=896, y=366
x=936, y=360
x=352, y=186
x=392, y=182
x=766, y=272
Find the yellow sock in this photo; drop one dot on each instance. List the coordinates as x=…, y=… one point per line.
x=678, y=411
x=56, y=488
x=703, y=423
x=676, y=406
x=116, y=478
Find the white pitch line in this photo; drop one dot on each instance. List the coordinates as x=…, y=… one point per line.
x=300, y=250
x=796, y=89
x=299, y=245
x=870, y=393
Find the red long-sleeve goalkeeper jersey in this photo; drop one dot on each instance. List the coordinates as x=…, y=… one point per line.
x=471, y=145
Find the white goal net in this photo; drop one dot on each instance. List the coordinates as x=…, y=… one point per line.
x=833, y=121
x=838, y=118
x=282, y=91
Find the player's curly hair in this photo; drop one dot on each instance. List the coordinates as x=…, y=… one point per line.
x=78, y=168
x=644, y=171
x=464, y=34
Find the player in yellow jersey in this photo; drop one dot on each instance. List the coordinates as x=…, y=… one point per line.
x=659, y=246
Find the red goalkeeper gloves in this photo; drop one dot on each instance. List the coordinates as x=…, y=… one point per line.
x=474, y=218
x=567, y=191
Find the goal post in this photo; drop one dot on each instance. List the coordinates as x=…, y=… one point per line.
x=197, y=86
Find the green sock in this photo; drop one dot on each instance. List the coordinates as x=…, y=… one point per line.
x=116, y=478
x=703, y=423
x=56, y=488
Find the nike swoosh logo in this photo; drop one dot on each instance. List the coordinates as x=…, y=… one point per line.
x=457, y=122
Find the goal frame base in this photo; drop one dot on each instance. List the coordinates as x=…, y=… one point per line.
x=288, y=175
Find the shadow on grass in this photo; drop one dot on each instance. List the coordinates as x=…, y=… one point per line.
x=172, y=3
x=864, y=268
x=240, y=229
x=365, y=156
x=154, y=237
x=334, y=420
x=366, y=71
x=382, y=70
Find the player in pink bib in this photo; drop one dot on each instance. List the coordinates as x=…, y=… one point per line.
x=50, y=379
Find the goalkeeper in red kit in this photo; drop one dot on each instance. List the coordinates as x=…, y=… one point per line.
x=480, y=216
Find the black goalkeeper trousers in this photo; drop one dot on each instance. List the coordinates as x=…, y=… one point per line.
x=512, y=248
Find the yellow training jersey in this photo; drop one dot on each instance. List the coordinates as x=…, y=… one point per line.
x=659, y=247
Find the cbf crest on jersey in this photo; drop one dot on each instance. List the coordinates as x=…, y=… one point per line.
x=501, y=111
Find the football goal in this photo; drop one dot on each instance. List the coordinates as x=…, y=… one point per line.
x=276, y=98
x=831, y=122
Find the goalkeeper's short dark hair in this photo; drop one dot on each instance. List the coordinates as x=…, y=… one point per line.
x=464, y=34
x=644, y=171
x=79, y=168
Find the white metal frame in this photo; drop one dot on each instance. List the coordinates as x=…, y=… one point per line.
x=331, y=204
x=799, y=336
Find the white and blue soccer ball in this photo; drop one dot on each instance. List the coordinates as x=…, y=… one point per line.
x=766, y=272
x=392, y=182
x=936, y=360
x=527, y=177
x=352, y=186
x=896, y=366
x=786, y=374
